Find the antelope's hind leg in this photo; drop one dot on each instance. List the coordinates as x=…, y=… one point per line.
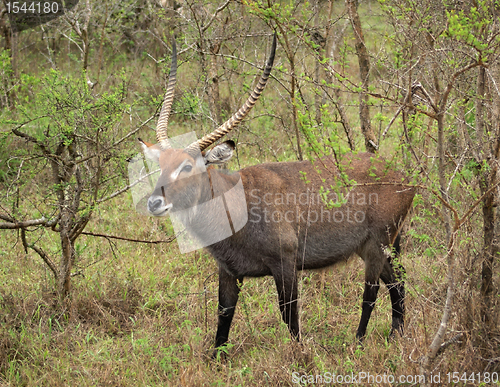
x=285, y=277
x=379, y=264
x=375, y=260
x=392, y=275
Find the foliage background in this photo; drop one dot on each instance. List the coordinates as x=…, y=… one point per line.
x=90, y=82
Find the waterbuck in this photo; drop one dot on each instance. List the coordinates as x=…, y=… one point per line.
x=287, y=216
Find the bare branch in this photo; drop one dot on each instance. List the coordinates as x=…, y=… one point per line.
x=417, y=86
x=392, y=121
x=444, y=97
x=6, y=218
x=220, y=9
x=122, y=190
x=169, y=240
x=12, y=224
x=132, y=132
x=40, y=252
x=116, y=143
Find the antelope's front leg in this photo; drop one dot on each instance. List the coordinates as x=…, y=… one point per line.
x=229, y=289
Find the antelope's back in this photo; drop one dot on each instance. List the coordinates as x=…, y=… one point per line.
x=359, y=176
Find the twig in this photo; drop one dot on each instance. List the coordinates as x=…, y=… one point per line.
x=221, y=8
x=40, y=252
x=122, y=190
x=171, y=239
x=392, y=121
x=134, y=131
x=458, y=165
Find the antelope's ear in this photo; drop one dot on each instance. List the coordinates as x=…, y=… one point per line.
x=221, y=153
x=151, y=151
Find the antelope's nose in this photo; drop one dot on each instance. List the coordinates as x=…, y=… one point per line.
x=156, y=204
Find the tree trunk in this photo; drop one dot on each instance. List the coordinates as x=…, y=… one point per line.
x=213, y=85
x=290, y=54
x=67, y=253
x=5, y=29
x=294, y=108
x=67, y=250
x=488, y=179
x=14, y=54
x=442, y=175
x=490, y=249
x=364, y=72
x=318, y=97
x=331, y=45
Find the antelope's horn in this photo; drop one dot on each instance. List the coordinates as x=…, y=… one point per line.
x=161, y=126
x=235, y=120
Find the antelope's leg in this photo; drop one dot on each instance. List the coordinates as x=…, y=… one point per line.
x=392, y=277
x=369, y=298
x=229, y=289
x=375, y=260
x=397, y=293
x=286, y=284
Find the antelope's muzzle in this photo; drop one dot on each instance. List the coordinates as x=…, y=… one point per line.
x=157, y=205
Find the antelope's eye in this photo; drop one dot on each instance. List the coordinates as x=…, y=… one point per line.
x=187, y=168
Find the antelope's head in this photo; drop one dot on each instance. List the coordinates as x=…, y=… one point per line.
x=183, y=170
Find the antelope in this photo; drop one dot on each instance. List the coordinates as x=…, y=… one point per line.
x=297, y=215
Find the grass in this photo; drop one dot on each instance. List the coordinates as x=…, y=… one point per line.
x=146, y=315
